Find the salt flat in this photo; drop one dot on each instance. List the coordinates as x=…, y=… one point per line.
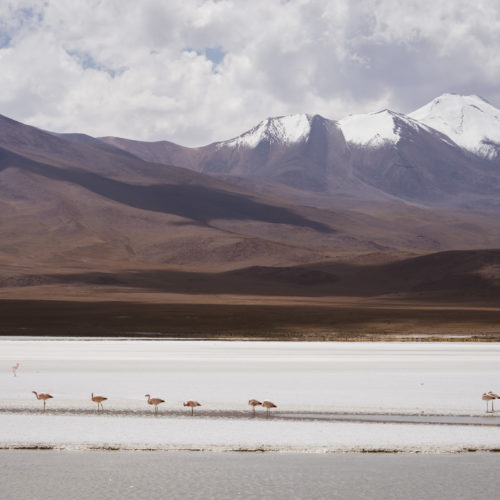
x=386, y=378
x=75, y=432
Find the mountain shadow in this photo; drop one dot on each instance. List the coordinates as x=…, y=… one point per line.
x=194, y=201
x=453, y=274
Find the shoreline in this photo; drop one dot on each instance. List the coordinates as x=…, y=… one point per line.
x=412, y=418
x=326, y=319
x=267, y=450
x=306, y=338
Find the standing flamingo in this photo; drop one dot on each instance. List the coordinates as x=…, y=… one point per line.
x=154, y=401
x=487, y=397
x=493, y=396
x=14, y=369
x=43, y=396
x=268, y=405
x=192, y=405
x=254, y=403
x=98, y=400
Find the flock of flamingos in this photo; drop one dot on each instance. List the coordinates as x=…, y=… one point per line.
x=487, y=396
x=44, y=396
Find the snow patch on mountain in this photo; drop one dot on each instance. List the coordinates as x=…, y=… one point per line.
x=283, y=129
x=374, y=129
x=381, y=128
x=470, y=121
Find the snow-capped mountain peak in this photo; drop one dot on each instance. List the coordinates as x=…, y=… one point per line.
x=282, y=129
x=376, y=129
x=470, y=121
x=467, y=121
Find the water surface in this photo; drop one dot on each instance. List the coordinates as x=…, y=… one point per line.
x=61, y=475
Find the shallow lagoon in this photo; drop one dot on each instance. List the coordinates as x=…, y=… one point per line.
x=416, y=380
x=60, y=475
x=329, y=376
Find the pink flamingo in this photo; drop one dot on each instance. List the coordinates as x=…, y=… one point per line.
x=154, y=401
x=487, y=398
x=14, y=369
x=493, y=396
x=268, y=405
x=98, y=400
x=42, y=396
x=192, y=405
x=253, y=403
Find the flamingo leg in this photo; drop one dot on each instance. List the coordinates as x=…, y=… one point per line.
x=44, y=404
x=192, y=410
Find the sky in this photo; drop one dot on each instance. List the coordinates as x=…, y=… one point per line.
x=197, y=71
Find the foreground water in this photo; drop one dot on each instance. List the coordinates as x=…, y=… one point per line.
x=60, y=475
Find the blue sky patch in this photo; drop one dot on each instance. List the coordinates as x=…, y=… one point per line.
x=4, y=40
x=215, y=54
x=87, y=61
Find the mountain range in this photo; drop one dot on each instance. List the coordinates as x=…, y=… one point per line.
x=370, y=205
x=443, y=154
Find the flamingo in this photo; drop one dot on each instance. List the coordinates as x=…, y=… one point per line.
x=154, y=401
x=487, y=397
x=192, y=405
x=14, y=369
x=43, y=396
x=493, y=396
x=98, y=400
x=254, y=403
x=268, y=405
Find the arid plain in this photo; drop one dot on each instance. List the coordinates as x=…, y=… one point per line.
x=96, y=241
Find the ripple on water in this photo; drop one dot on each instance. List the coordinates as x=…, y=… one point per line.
x=58, y=475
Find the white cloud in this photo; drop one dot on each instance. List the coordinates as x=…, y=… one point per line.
x=140, y=69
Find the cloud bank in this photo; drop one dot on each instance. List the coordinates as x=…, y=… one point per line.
x=196, y=71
